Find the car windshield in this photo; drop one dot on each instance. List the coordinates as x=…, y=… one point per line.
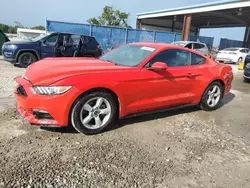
x=39, y=37
x=128, y=55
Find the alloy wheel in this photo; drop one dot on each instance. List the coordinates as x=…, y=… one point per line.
x=95, y=113
x=214, y=96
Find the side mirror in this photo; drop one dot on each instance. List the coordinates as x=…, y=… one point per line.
x=158, y=66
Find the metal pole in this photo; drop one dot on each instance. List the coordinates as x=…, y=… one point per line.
x=126, y=36
x=187, y=26
x=90, y=29
x=246, y=36
x=174, y=38
x=46, y=25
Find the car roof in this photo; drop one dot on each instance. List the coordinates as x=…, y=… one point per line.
x=64, y=33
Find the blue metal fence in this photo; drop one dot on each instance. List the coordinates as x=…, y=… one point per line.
x=226, y=43
x=112, y=36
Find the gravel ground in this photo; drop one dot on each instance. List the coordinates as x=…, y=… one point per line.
x=186, y=148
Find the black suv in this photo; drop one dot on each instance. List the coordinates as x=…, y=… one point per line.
x=246, y=74
x=53, y=45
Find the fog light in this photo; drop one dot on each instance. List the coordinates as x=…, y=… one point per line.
x=42, y=114
x=8, y=54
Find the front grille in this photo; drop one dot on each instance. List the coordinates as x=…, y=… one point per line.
x=21, y=91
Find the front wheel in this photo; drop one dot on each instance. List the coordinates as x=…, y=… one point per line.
x=212, y=97
x=26, y=58
x=246, y=80
x=93, y=113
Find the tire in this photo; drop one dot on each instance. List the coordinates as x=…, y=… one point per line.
x=26, y=58
x=96, y=121
x=215, y=97
x=239, y=61
x=246, y=80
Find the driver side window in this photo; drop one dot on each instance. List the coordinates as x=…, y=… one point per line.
x=51, y=39
x=173, y=58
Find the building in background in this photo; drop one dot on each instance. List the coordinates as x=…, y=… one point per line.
x=27, y=34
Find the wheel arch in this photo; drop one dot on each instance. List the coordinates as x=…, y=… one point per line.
x=34, y=52
x=215, y=80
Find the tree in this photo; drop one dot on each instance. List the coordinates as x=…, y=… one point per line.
x=39, y=27
x=111, y=17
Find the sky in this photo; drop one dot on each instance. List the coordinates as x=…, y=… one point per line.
x=35, y=12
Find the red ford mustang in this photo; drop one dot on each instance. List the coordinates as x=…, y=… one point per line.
x=90, y=94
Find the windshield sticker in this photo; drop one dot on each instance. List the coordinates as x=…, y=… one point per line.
x=148, y=48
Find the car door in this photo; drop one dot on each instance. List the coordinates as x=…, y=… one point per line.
x=48, y=46
x=171, y=87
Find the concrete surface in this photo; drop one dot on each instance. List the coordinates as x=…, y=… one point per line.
x=186, y=148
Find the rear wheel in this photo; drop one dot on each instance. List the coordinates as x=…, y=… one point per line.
x=93, y=113
x=239, y=61
x=26, y=58
x=212, y=97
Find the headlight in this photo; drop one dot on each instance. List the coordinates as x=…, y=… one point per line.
x=10, y=46
x=52, y=90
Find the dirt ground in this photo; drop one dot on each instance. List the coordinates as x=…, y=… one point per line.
x=186, y=148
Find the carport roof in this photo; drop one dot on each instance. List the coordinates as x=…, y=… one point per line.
x=233, y=13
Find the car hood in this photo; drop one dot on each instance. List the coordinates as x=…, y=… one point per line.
x=20, y=42
x=50, y=70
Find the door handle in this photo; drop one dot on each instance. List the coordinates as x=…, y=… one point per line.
x=191, y=75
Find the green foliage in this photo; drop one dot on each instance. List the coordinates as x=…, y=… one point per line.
x=38, y=27
x=13, y=29
x=111, y=17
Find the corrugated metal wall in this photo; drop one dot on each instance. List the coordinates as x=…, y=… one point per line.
x=112, y=36
x=227, y=43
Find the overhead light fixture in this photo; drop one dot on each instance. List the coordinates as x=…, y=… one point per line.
x=239, y=13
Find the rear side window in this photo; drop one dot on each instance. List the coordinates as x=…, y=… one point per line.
x=197, y=60
x=189, y=46
x=173, y=58
x=198, y=46
x=75, y=38
x=92, y=42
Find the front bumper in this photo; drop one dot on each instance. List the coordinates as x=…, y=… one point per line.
x=226, y=60
x=9, y=55
x=57, y=107
x=246, y=74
